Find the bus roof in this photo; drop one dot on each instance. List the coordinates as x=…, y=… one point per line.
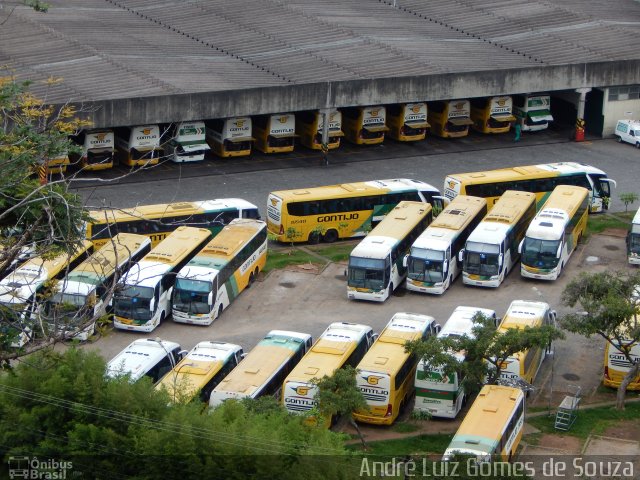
x=103, y=263
x=139, y=357
x=165, y=256
x=387, y=354
x=354, y=189
x=482, y=427
x=522, y=313
x=563, y=204
x=460, y=322
x=22, y=283
x=329, y=352
x=193, y=372
x=167, y=209
x=460, y=211
x=524, y=172
x=262, y=362
x=510, y=207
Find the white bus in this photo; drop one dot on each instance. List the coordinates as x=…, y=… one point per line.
x=84, y=293
x=142, y=299
x=491, y=251
x=98, y=149
x=188, y=143
x=220, y=272
x=264, y=368
x=554, y=233
x=340, y=344
x=533, y=112
x=19, y=291
x=521, y=314
x=445, y=396
x=432, y=265
x=376, y=266
x=633, y=240
x=138, y=146
x=145, y=357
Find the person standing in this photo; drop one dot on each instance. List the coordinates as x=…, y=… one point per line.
x=518, y=130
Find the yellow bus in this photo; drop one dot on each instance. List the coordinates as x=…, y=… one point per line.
x=491, y=250
x=138, y=146
x=433, y=261
x=492, y=428
x=310, y=124
x=616, y=363
x=230, y=137
x=376, y=265
x=142, y=299
x=97, y=150
x=157, y=221
x=407, y=122
x=521, y=314
x=340, y=344
x=83, y=295
x=275, y=133
x=198, y=373
x=385, y=374
x=364, y=125
x=347, y=210
x=20, y=289
x=492, y=114
x=449, y=119
x=554, y=233
x=57, y=164
x=220, y=272
x=540, y=179
x=264, y=368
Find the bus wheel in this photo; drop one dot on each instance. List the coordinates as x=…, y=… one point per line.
x=250, y=280
x=331, y=236
x=161, y=318
x=220, y=309
x=637, y=144
x=390, y=289
x=314, y=238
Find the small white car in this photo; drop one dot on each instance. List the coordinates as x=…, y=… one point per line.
x=628, y=131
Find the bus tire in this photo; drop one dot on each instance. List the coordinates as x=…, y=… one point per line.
x=220, y=310
x=391, y=289
x=161, y=318
x=314, y=238
x=330, y=236
x=619, y=139
x=637, y=144
x=250, y=282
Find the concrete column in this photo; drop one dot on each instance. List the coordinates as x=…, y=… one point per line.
x=325, y=134
x=580, y=124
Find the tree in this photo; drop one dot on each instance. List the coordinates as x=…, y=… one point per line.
x=610, y=302
x=486, y=350
x=62, y=406
x=628, y=199
x=339, y=395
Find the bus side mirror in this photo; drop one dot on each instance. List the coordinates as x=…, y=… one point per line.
x=500, y=257
x=520, y=247
x=210, y=298
x=461, y=255
x=437, y=327
x=445, y=267
x=374, y=337
x=405, y=261
x=182, y=354
x=243, y=356
x=152, y=304
x=559, y=251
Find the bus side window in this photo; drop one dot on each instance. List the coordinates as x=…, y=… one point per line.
x=251, y=213
x=404, y=371
x=160, y=370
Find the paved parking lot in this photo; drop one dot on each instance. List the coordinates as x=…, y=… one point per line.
x=305, y=301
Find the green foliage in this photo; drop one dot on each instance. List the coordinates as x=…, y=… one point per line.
x=599, y=223
x=628, y=199
x=281, y=259
x=339, y=394
x=61, y=405
x=335, y=252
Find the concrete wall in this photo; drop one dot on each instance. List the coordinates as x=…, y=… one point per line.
x=619, y=110
x=173, y=108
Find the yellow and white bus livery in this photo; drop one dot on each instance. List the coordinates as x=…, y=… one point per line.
x=407, y=122
x=98, y=150
x=275, y=133
x=310, y=125
x=138, y=146
x=492, y=115
x=433, y=265
x=450, y=119
x=230, y=137
x=491, y=251
x=364, y=125
x=142, y=299
x=385, y=374
x=554, y=233
x=376, y=265
x=220, y=272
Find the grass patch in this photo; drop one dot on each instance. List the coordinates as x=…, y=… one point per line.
x=433, y=443
x=335, y=253
x=283, y=258
x=600, y=222
x=404, y=427
x=589, y=421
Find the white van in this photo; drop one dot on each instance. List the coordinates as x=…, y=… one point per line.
x=628, y=131
x=146, y=357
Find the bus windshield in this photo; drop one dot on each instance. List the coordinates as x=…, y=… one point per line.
x=634, y=243
x=601, y=187
x=426, y=264
x=368, y=273
x=134, y=303
x=540, y=253
x=482, y=259
x=191, y=296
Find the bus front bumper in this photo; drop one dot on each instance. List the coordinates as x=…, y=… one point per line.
x=180, y=317
x=417, y=286
x=478, y=281
x=372, y=419
x=354, y=294
x=528, y=272
x=127, y=324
